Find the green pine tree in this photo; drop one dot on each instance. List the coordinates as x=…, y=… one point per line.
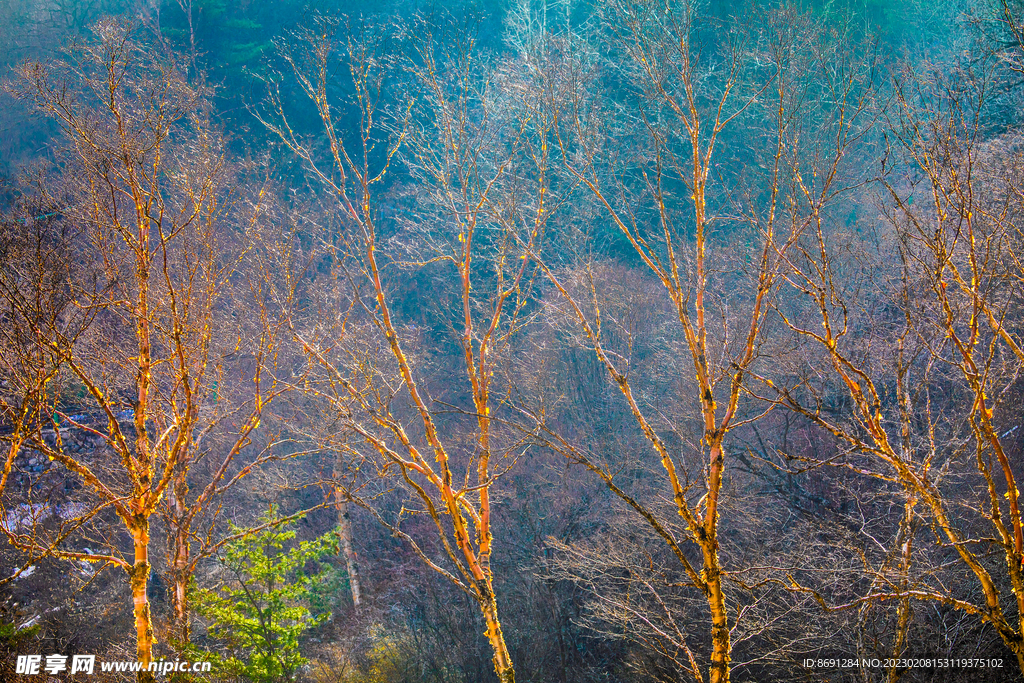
x=263, y=611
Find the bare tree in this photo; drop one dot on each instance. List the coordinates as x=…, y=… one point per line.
x=465, y=145
x=911, y=384
x=144, y=341
x=704, y=97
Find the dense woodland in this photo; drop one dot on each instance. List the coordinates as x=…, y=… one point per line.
x=540, y=340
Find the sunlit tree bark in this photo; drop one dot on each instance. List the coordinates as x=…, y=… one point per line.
x=162, y=227
x=925, y=381
x=462, y=142
x=680, y=206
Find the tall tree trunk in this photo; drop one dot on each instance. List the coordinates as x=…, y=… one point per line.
x=351, y=559
x=139, y=577
x=721, y=644
x=181, y=574
x=502, y=659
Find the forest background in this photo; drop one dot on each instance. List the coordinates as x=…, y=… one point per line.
x=562, y=341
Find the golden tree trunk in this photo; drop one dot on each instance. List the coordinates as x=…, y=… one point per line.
x=139, y=576
x=502, y=660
